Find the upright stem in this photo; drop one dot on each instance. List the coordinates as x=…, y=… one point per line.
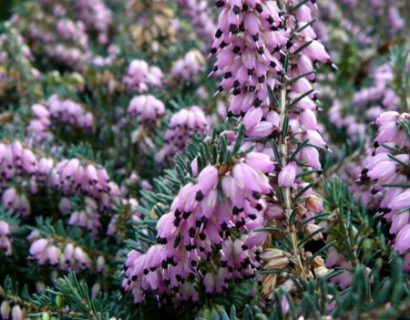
x=283, y=149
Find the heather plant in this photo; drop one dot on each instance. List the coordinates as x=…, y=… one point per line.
x=233, y=159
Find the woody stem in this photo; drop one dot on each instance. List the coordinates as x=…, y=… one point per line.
x=283, y=149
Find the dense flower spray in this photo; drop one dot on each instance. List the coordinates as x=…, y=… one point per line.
x=266, y=51
x=183, y=125
x=256, y=45
x=69, y=176
x=186, y=69
x=140, y=75
x=146, y=108
x=199, y=232
x=387, y=168
x=63, y=111
x=96, y=16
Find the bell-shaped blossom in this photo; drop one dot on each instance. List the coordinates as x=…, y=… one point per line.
x=140, y=76
x=146, y=108
x=198, y=224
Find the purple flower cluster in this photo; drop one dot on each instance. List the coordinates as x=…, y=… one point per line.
x=87, y=217
x=353, y=126
x=262, y=46
x=16, y=202
x=250, y=45
x=73, y=51
x=336, y=259
x=69, y=176
x=100, y=61
x=187, y=68
x=70, y=112
x=250, y=40
x=373, y=21
x=182, y=126
x=380, y=96
x=146, y=108
x=73, y=177
x=64, y=255
x=140, y=76
x=387, y=168
x=197, y=232
x=67, y=37
x=96, y=16
x=63, y=111
x=17, y=161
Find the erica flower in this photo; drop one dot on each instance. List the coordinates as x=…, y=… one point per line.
x=388, y=166
x=187, y=68
x=287, y=175
x=140, y=76
x=197, y=224
x=63, y=255
x=147, y=108
x=96, y=16
x=183, y=125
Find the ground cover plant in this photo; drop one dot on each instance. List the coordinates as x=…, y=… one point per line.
x=193, y=159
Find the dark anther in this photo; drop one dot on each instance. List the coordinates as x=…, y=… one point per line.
x=257, y=102
x=223, y=44
x=233, y=28
x=251, y=88
x=191, y=232
x=177, y=221
x=256, y=195
x=236, y=211
x=199, y=196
